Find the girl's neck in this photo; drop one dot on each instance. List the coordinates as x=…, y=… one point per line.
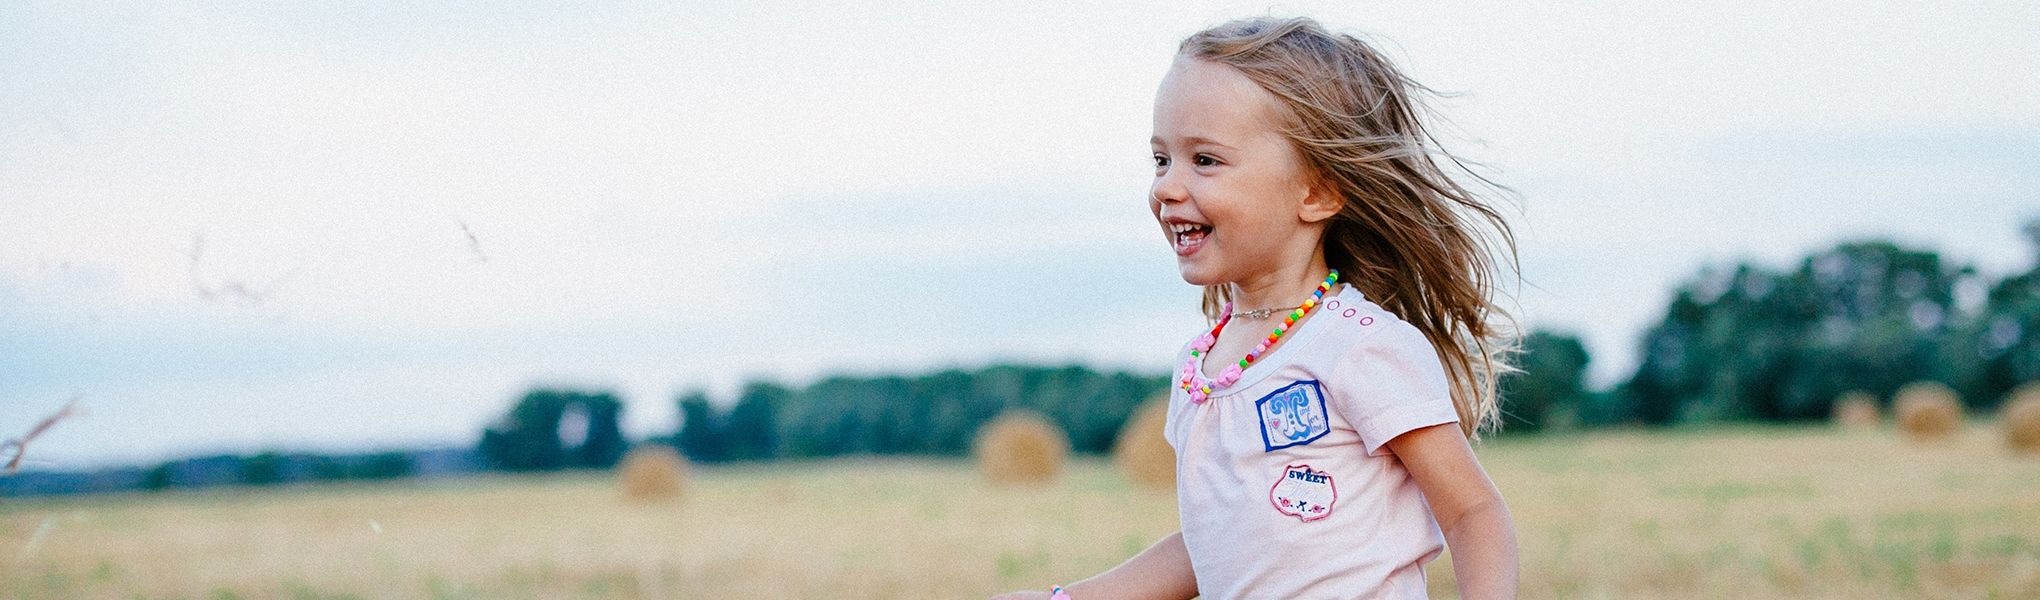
x=1282, y=287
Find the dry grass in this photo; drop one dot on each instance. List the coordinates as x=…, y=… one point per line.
x=2021, y=419
x=1927, y=410
x=1722, y=513
x=652, y=472
x=1857, y=410
x=1141, y=452
x=1021, y=447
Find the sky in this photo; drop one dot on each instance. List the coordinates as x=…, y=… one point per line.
x=348, y=226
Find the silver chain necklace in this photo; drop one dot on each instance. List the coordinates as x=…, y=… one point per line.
x=1259, y=313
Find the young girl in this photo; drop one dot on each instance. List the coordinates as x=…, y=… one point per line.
x=1321, y=427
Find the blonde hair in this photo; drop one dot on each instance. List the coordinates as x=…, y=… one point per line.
x=1408, y=235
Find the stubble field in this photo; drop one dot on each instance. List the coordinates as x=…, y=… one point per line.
x=1708, y=513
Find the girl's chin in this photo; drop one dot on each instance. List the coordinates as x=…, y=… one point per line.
x=1198, y=275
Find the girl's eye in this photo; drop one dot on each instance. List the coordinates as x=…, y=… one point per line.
x=1161, y=160
x=1206, y=160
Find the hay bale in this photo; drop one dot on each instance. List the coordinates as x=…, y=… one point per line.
x=1927, y=410
x=1021, y=447
x=1856, y=410
x=652, y=472
x=2021, y=418
x=1141, y=451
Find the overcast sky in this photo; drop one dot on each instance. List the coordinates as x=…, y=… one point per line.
x=348, y=225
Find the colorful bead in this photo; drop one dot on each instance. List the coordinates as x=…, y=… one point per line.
x=1194, y=383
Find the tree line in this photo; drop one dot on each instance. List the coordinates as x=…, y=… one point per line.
x=1738, y=343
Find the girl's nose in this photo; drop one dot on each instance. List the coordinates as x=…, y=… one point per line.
x=1168, y=188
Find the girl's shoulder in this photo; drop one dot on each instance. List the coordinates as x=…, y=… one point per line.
x=1359, y=318
x=1355, y=326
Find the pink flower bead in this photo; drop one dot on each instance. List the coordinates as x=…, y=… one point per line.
x=1204, y=342
x=1231, y=374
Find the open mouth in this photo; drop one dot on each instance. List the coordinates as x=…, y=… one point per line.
x=1188, y=237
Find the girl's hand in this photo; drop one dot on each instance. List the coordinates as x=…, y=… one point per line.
x=1161, y=572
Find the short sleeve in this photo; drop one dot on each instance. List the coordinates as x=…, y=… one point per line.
x=1176, y=401
x=1388, y=383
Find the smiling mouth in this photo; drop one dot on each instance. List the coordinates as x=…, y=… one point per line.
x=1188, y=237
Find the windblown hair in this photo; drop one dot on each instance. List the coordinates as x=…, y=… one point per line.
x=1409, y=236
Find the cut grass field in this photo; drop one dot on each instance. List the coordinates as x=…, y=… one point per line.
x=1711, y=513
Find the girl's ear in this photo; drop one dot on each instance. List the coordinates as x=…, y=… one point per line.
x=1323, y=202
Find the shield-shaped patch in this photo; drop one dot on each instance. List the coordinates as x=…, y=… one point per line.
x=1293, y=416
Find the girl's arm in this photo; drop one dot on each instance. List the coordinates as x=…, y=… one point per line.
x=1161, y=572
x=1468, y=507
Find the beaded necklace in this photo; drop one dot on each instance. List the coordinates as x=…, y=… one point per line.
x=1193, y=380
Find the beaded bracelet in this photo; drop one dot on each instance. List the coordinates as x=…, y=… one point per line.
x=1057, y=593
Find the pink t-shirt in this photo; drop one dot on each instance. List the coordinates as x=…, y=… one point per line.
x=1283, y=483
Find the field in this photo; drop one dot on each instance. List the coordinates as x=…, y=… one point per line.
x=1707, y=513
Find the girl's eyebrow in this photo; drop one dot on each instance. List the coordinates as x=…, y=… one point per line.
x=1194, y=141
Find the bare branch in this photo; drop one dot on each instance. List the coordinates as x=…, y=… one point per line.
x=20, y=444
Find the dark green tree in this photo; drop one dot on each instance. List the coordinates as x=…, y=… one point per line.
x=528, y=437
x=2000, y=348
x=1551, y=386
x=940, y=413
x=161, y=477
x=262, y=469
x=1752, y=343
x=700, y=436
x=603, y=443
x=751, y=431
x=385, y=465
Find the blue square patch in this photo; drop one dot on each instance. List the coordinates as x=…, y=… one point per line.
x=1293, y=416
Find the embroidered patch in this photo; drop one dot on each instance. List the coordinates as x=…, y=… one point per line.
x=1304, y=493
x=1293, y=416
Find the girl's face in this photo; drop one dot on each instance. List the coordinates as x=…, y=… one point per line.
x=1231, y=194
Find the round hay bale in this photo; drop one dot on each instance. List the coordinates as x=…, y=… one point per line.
x=2021, y=418
x=652, y=472
x=1927, y=410
x=1856, y=410
x=1142, y=452
x=1021, y=447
